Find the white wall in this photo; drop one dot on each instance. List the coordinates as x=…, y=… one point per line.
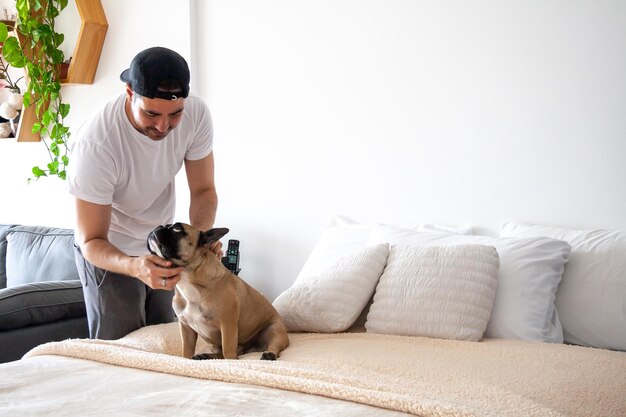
x=412, y=111
x=402, y=111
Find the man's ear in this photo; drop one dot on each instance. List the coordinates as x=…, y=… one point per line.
x=213, y=235
x=129, y=93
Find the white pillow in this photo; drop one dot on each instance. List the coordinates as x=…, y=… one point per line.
x=340, y=220
x=345, y=235
x=591, y=299
x=331, y=300
x=336, y=241
x=530, y=272
x=442, y=292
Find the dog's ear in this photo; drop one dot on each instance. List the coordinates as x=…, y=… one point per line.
x=213, y=235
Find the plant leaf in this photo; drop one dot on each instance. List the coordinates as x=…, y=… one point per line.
x=38, y=172
x=4, y=32
x=53, y=167
x=64, y=109
x=12, y=52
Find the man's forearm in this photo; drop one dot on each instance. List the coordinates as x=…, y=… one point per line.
x=202, y=209
x=105, y=255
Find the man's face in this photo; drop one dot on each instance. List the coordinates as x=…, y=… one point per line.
x=154, y=117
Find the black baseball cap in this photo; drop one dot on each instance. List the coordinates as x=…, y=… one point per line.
x=152, y=66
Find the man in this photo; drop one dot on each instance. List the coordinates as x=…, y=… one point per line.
x=122, y=174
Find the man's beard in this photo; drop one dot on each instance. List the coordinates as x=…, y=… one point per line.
x=154, y=133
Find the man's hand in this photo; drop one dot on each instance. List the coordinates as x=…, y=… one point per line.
x=216, y=248
x=157, y=272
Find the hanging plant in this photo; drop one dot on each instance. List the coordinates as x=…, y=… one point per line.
x=34, y=46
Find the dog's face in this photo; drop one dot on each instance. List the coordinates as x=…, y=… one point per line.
x=179, y=242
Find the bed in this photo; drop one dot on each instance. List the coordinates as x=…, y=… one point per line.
x=384, y=321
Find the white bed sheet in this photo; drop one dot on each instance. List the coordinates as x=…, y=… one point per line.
x=63, y=387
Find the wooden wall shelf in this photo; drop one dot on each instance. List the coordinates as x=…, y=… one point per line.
x=84, y=62
x=93, y=30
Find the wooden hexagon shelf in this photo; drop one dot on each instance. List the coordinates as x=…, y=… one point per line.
x=84, y=63
x=93, y=30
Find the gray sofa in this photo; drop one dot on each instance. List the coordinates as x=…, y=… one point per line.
x=41, y=298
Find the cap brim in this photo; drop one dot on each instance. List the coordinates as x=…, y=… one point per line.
x=125, y=76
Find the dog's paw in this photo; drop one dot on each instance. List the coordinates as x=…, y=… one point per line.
x=204, y=356
x=268, y=356
x=200, y=356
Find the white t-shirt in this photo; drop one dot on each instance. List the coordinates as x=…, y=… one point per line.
x=112, y=163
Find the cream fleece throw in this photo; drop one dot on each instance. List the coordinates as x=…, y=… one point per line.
x=422, y=376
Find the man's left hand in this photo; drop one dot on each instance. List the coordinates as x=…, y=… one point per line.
x=216, y=248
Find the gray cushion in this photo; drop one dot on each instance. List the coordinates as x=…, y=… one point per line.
x=36, y=254
x=15, y=343
x=39, y=303
x=3, y=254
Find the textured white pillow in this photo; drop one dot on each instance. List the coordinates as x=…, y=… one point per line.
x=591, y=299
x=442, y=292
x=331, y=299
x=530, y=272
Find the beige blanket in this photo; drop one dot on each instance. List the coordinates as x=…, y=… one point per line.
x=429, y=377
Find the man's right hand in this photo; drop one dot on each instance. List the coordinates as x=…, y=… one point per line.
x=93, y=221
x=157, y=272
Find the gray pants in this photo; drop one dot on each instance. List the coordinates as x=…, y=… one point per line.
x=118, y=304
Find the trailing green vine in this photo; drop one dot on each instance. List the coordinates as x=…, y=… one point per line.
x=34, y=46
